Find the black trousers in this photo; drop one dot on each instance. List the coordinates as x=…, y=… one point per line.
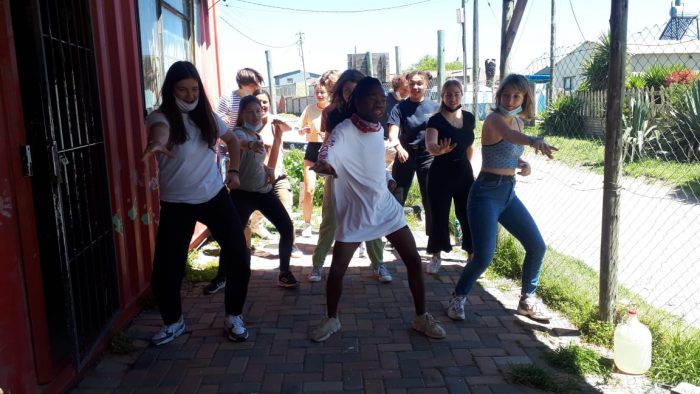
x=272, y=208
x=449, y=181
x=177, y=221
x=418, y=163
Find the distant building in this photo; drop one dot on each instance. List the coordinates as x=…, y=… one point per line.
x=380, y=65
x=293, y=77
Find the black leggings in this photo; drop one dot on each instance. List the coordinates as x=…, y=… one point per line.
x=177, y=221
x=447, y=181
x=418, y=163
x=271, y=207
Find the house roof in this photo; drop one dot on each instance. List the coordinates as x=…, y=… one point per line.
x=308, y=74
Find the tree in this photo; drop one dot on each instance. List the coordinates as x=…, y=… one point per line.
x=429, y=63
x=595, y=69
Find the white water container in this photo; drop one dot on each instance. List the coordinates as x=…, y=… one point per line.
x=632, y=345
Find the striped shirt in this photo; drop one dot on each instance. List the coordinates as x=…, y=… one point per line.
x=228, y=108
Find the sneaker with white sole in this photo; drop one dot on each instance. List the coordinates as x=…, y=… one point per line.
x=315, y=275
x=235, y=328
x=428, y=326
x=455, y=309
x=383, y=274
x=327, y=327
x=306, y=230
x=434, y=264
x=296, y=252
x=169, y=332
x=533, y=309
x=287, y=279
x=214, y=286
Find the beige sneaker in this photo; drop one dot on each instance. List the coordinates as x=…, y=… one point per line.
x=532, y=309
x=428, y=326
x=327, y=327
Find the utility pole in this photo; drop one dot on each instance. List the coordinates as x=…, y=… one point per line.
x=462, y=18
x=398, y=60
x=613, y=157
x=509, y=28
x=303, y=66
x=440, y=63
x=370, y=66
x=273, y=94
x=552, y=44
x=475, y=62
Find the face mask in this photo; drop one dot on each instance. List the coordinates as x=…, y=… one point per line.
x=448, y=109
x=253, y=126
x=184, y=106
x=512, y=113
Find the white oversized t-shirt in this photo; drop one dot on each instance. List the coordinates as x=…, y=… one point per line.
x=191, y=176
x=365, y=209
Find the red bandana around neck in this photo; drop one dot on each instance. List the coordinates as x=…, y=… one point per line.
x=363, y=125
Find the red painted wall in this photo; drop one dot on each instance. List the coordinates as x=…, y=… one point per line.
x=25, y=364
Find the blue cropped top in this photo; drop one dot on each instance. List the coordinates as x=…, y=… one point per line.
x=502, y=154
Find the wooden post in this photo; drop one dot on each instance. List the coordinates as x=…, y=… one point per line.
x=397, y=50
x=511, y=18
x=551, y=88
x=273, y=94
x=475, y=62
x=613, y=155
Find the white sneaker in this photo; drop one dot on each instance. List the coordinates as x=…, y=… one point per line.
x=383, y=274
x=363, y=251
x=533, y=309
x=296, y=252
x=169, y=332
x=429, y=326
x=262, y=232
x=315, y=275
x=455, y=309
x=306, y=230
x=434, y=264
x=327, y=327
x=235, y=328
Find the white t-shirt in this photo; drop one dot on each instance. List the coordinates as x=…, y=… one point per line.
x=191, y=177
x=365, y=209
x=252, y=170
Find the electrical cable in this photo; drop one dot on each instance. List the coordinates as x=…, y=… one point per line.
x=251, y=38
x=335, y=11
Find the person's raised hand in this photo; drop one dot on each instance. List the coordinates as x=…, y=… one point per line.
x=445, y=146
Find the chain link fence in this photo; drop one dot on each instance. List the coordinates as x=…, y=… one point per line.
x=659, y=217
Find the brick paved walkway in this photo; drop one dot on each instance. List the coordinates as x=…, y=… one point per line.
x=376, y=351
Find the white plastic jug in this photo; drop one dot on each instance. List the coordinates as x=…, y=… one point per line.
x=632, y=345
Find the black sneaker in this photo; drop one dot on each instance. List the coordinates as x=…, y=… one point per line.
x=214, y=286
x=286, y=279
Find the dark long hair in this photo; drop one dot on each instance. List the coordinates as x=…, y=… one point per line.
x=362, y=89
x=202, y=115
x=350, y=75
x=245, y=101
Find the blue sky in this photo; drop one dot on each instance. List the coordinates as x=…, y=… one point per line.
x=330, y=36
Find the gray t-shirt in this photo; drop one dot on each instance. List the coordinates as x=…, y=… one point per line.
x=191, y=176
x=252, y=171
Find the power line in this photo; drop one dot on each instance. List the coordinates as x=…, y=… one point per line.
x=335, y=11
x=575, y=19
x=251, y=38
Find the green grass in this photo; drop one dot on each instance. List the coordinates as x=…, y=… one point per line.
x=539, y=378
x=569, y=286
x=581, y=361
x=590, y=153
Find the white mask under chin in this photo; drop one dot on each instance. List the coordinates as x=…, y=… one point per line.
x=184, y=106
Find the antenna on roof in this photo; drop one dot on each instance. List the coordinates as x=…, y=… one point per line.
x=678, y=26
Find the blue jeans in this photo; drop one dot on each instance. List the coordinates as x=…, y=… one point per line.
x=492, y=201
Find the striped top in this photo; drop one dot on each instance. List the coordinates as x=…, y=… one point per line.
x=228, y=108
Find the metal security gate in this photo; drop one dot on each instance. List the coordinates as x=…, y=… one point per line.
x=66, y=159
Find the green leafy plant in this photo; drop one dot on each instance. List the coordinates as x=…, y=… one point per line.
x=640, y=130
x=655, y=76
x=563, y=117
x=686, y=142
x=595, y=69
x=580, y=360
x=635, y=81
x=294, y=166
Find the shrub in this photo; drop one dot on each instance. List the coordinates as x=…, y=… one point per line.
x=635, y=82
x=684, y=77
x=684, y=140
x=655, y=76
x=562, y=117
x=294, y=166
x=595, y=69
x=640, y=134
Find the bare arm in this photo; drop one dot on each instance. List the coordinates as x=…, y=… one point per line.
x=234, y=151
x=158, y=136
x=431, y=141
x=274, y=151
x=470, y=152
